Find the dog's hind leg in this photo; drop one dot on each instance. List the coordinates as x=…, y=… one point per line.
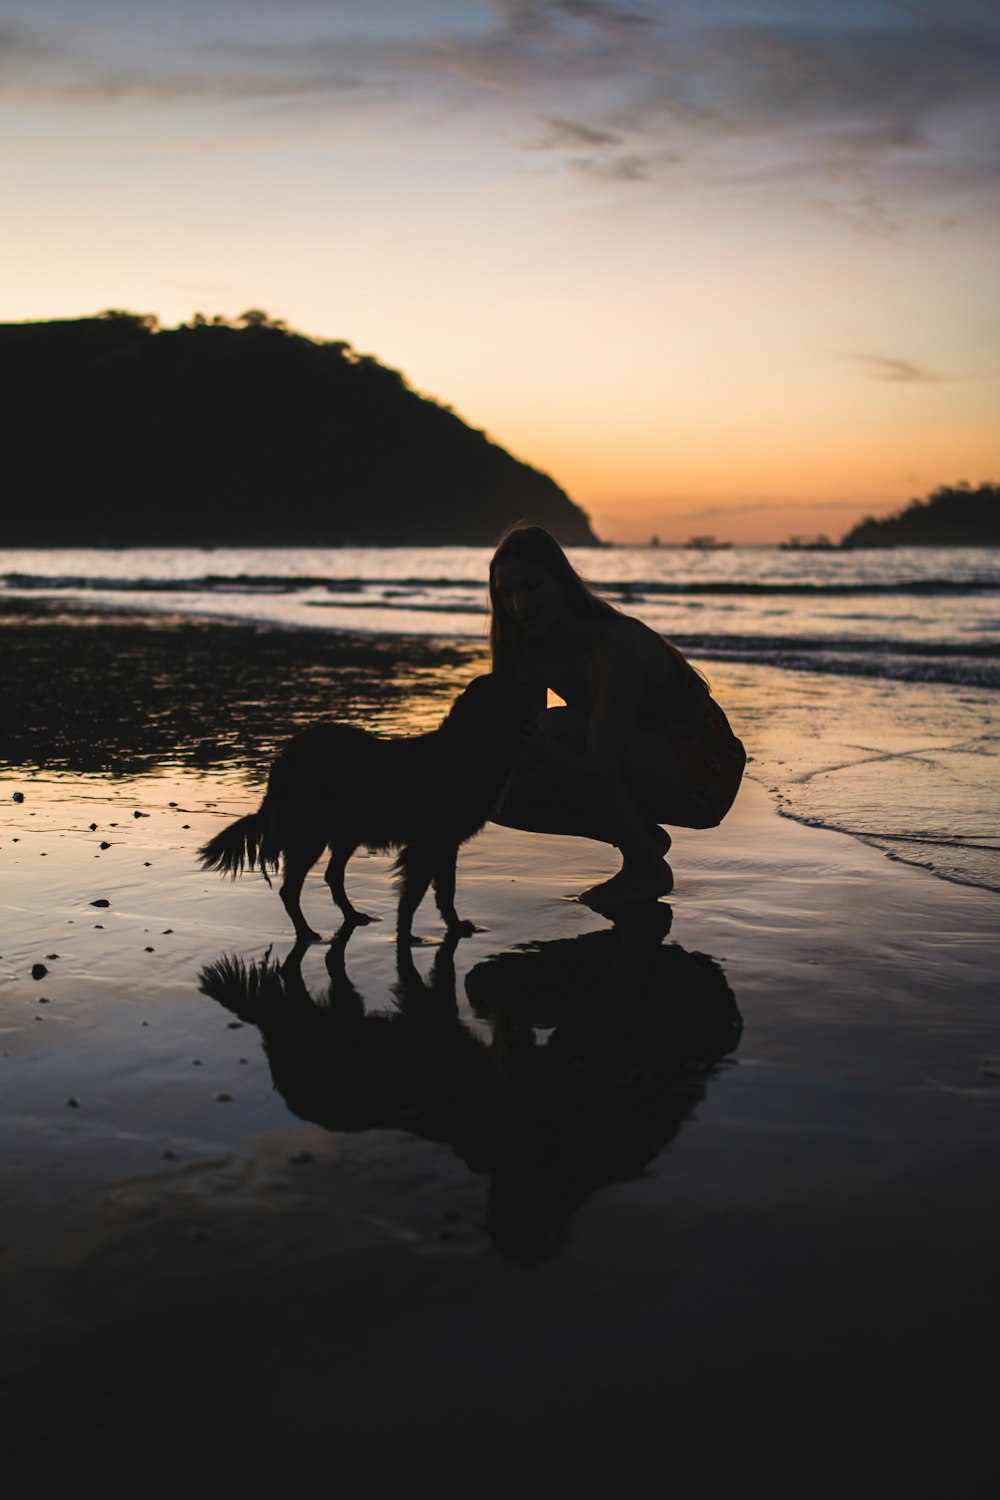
x=340, y=853
x=444, y=895
x=298, y=861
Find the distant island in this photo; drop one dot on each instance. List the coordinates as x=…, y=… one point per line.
x=117, y=432
x=953, y=516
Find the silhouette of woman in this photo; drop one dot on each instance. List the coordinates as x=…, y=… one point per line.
x=640, y=740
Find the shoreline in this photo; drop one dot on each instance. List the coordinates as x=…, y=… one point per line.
x=905, y=767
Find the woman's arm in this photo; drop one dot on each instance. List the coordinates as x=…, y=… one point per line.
x=594, y=746
x=619, y=675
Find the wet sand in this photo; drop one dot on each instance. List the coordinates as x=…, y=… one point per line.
x=571, y=1208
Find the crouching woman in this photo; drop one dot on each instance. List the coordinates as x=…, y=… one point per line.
x=640, y=741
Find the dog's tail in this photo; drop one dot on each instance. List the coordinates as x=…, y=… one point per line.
x=243, y=845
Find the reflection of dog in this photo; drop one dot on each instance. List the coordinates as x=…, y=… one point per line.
x=634, y=1032
x=338, y=787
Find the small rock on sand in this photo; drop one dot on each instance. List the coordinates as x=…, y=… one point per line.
x=100, y=902
x=38, y=971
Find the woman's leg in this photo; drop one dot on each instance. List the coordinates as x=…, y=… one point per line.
x=622, y=809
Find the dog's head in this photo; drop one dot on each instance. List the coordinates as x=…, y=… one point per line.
x=491, y=705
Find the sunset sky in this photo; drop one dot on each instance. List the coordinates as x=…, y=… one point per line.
x=721, y=266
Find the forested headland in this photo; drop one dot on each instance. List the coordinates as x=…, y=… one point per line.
x=117, y=432
x=953, y=516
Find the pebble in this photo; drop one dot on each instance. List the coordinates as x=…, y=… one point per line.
x=72, y=1103
x=140, y=815
x=167, y=931
x=18, y=797
x=100, y=902
x=169, y=1155
x=38, y=971
x=105, y=844
x=93, y=827
x=224, y=1098
x=44, y=1000
x=50, y=956
x=234, y=1025
x=301, y=1158
x=149, y=950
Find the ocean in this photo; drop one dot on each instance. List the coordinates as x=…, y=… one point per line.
x=864, y=683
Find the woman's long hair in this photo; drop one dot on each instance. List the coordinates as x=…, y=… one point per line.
x=533, y=544
x=521, y=543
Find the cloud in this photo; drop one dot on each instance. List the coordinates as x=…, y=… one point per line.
x=534, y=16
x=716, y=512
x=899, y=371
x=860, y=112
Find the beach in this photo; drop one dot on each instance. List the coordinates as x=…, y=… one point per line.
x=699, y=1199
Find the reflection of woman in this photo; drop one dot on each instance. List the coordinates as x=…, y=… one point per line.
x=640, y=741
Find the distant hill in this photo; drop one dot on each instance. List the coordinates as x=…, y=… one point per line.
x=953, y=516
x=116, y=432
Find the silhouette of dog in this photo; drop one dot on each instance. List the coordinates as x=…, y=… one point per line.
x=338, y=787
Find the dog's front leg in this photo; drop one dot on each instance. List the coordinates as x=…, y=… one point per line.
x=444, y=895
x=414, y=868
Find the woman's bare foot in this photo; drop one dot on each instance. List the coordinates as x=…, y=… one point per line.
x=631, y=885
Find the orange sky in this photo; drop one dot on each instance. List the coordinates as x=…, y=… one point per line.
x=724, y=268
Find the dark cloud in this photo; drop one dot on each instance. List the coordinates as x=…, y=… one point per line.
x=899, y=371
x=614, y=168
x=573, y=133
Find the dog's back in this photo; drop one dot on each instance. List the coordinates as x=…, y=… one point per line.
x=389, y=793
